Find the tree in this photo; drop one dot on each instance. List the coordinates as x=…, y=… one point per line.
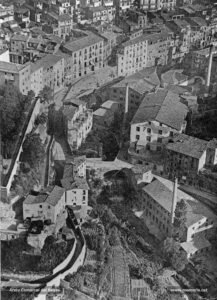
x=33, y=150
x=45, y=94
x=41, y=119
x=179, y=225
x=13, y=106
x=173, y=255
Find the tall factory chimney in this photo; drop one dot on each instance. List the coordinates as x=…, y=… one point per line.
x=126, y=107
x=209, y=67
x=174, y=201
x=126, y=99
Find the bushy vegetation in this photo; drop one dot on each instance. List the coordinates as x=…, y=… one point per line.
x=13, y=109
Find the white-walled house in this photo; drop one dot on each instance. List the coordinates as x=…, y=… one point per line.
x=47, y=204
x=74, y=182
x=160, y=115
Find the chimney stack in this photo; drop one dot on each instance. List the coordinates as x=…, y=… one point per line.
x=174, y=200
x=126, y=99
x=209, y=67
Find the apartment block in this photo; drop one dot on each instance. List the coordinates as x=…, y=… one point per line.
x=22, y=16
x=16, y=75
x=36, y=76
x=53, y=71
x=100, y=13
x=150, y=5
x=60, y=25
x=132, y=20
x=90, y=3
x=160, y=115
x=86, y=54
x=123, y=5
x=132, y=56
x=78, y=120
x=168, y=4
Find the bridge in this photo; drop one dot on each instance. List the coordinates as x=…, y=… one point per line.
x=103, y=167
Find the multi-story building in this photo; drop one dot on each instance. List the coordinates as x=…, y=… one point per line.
x=78, y=120
x=63, y=7
x=86, y=54
x=104, y=116
x=186, y=156
x=160, y=115
x=25, y=48
x=53, y=71
x=90, y=3
x=16, y=75
x=74, y=182
x=100, y=13
x=35, y=7
x=132, y=20
x=60, y=25
x=123, y=5
x=150, y=5
x=160, y=199
x=108, y=2
x=132, y=56
x=167, y=4
x=36, y=76
x=47, y=204
x=22, y=16
x=6, y=13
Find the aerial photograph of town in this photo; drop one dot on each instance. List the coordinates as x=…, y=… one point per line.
x=108, y=161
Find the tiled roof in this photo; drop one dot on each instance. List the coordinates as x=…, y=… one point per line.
x=69, y=111
x=173, y=77
x=160, y=193
x=196, y=244
x=64, y=17
x=198, y=21
x=142, y=81
x=83, y=42
x=102, y=112
x=47, y=61
x=108, y=104
x=152, y=37
x=162, y=106
x=11, y=67
x=19, y=37
x=77, y=183
x=187, y=145
x=50, y=195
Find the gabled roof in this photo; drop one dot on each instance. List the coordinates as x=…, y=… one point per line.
x=187, y=145
x=51, y=195
x=162, y=106
x=83, y=42
x=11, y=67
x=160, y=193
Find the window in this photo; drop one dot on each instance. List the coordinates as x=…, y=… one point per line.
x=137, y=137
x=159, y=131
x=137, y=128
x=148, y=147
x=159, y=140
x=158, y=148
x=171, y=133
x=149, y=130
x=148, y=138
x=149, y=123
x=40, y=206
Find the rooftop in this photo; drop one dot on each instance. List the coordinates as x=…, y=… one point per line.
x=161, y=190
x=198, y=243
x=77, y=183
x=152, y=37
x=163, y=106
x=50, y=195
x=102, y=112
x=11, y=67
x=46, y=62
x=108, y=104
x=174, y=77
x=83, y=42
x=187, y=145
